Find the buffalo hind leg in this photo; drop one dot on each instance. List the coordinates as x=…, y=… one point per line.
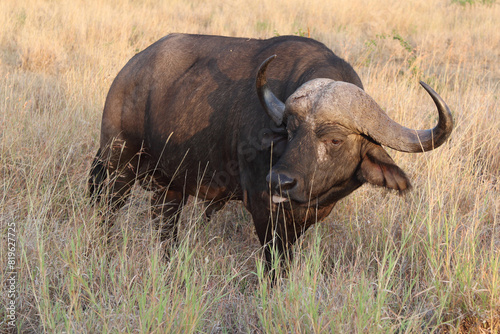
x=117, y=163
x=118, y=193
x=166, y=208
x=97, y=177
x=211, y=208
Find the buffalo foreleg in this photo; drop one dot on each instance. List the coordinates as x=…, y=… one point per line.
x=276, y=233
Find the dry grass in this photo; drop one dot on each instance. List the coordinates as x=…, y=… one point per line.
x=429, y=261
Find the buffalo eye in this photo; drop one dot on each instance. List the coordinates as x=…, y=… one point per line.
x=336, y=142
x=333, y=143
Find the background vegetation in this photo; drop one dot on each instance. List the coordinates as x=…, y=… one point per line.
x=428, y=261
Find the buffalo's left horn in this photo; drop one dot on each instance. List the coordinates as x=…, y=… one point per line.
x=389, y=133
x=274, y=107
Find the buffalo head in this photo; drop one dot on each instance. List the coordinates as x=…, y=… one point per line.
x=335, y=135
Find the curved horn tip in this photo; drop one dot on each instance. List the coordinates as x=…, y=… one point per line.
x=261, y=78
x=427, y=87
x=274, y=107
x=269, y=59
x=445, y=124
x=414, y=141
x=438, y=100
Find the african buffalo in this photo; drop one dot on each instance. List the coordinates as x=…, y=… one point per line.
x=203, y=116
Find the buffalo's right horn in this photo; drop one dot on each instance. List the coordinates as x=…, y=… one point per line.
x=274, y=107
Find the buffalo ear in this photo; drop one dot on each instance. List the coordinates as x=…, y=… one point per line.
x=378, y=168
x=277, y=141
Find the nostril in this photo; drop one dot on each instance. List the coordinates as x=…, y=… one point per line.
x=280, y=182
x=286, y=184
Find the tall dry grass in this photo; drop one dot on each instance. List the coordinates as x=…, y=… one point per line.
x=429, y=261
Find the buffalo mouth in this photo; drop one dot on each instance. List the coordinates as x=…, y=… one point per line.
x=335, y=193
x=278, y=199
x=291, y=201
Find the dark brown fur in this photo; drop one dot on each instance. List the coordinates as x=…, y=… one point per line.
x=183, y=118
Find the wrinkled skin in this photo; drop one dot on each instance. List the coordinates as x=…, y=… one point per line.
x=340, y=159
x=322, y=161
x=183, y=118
